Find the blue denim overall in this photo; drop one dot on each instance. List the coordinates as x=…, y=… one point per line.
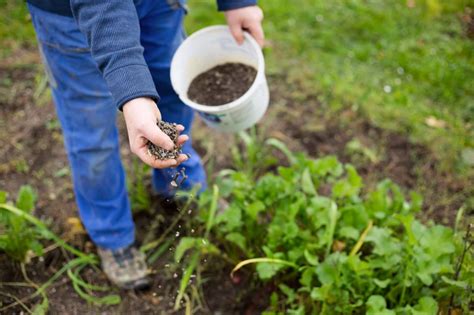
x=88, y=115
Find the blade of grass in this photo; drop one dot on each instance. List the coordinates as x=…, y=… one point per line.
x=188, y=310
x=185, y=279
x=78, y=284
x=75, y=277
x=212, y=211
x=262, y=260
x=153, y=257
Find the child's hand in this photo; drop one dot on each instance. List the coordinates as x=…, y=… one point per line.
x=249, y=19
x=141, y=115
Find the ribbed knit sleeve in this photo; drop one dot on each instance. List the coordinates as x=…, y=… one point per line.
x=224, y=5
x=113, y=33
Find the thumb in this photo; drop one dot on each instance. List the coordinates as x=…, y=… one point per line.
x=237, y=32
x=158, y=138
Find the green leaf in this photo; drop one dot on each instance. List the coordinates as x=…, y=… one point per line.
x=376, y=305
x=307, y=277
x=331, y=228
x=254, y=208
x=327, y=165
x=349, y=232
x=438, y=240
x=354, y=216
x=185, y=244
x=385, y=244
x=236, y=238
x=348, y=187
x=268, y=270
x=425, y=277
x=36, y=247
x=299, y=311
x=289, y=292
x=316, y=205
x=231, y=217
x=310, y=258
x=322, y=293
x=381, y=283
x=307, y=183
x=426, y=306
x=460, y=284
x=328, y=271
x=26, y=199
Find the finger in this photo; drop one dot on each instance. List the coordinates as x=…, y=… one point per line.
x=163, y=164
x=182, y=158
x=182, y=139
x=180, y=128
x=153, y=162
x=158, y=137
x=237, y=32
x=256, y=31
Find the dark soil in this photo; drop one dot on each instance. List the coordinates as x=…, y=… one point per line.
x=222, y=84
x=162, y=154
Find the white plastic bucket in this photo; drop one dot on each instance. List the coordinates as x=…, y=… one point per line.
x=208, y=48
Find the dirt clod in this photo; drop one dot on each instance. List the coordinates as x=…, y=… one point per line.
x=222, y=84
x=162, y=154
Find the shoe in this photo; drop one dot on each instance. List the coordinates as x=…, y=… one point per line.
x=125, y=267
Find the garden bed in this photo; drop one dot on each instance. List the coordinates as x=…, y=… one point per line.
x=32, y=153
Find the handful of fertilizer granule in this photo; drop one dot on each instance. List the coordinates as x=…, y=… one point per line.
x=162, y=154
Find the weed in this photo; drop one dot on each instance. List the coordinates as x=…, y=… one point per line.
x=17, y=238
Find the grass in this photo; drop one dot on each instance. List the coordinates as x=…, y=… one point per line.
x=406, y=68
x=402, y=67
x=16, y=30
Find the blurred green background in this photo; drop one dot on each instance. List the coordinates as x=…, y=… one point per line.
x=407, y=65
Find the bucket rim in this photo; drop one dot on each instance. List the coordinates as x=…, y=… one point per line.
x=260, y=77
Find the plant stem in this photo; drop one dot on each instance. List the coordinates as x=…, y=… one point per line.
x=361, y=240
x=27, y=279
x=17, y=301
x=260, y=260
x=467, y=244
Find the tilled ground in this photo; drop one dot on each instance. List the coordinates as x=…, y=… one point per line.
x=31, y=152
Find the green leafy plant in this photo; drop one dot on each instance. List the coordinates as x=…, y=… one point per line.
x=333, y=249
x=17, y=238
x=21, y=233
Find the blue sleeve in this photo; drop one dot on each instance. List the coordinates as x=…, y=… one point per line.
x=224, y=5
x=113, y=33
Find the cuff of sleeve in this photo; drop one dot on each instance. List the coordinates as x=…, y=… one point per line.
x=129, y=82
x=225, y=5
